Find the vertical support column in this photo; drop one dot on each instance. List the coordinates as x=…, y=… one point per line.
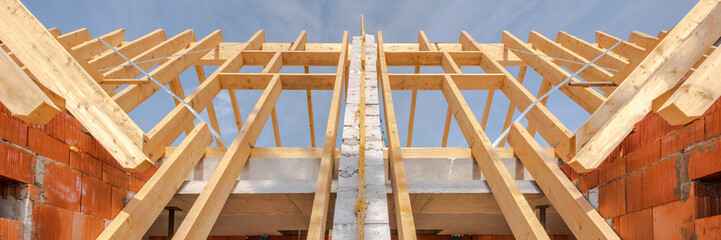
x=376, y=218
x=345, y=222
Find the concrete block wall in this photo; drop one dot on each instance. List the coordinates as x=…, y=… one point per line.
x=52, y=192
x=662, y=181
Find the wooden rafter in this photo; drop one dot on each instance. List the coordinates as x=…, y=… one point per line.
x=205, y=210
x=168, y=129
x=515, y=208
x=321, y=198
x=552, y=130
x=587, y=98
x=583, y=220
x=139, y=214
x=404, y=214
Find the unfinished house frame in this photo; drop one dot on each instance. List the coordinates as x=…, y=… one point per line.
x=47, y=72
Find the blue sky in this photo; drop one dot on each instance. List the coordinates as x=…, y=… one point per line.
x=325, y=21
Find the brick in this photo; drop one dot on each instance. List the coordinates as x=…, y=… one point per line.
x=659, y=183
x=51, y=222
x=643, y=157
x=682, y=138
x=96, y=197
x=569, y=172
x=634, y=192
x=612, y=199
x=13, y=130
x=217, y=238
x=588, y=180
x=705, y=160
x=86, y=227
x=117, y=202
x=16, y=164
x=47, y=146
x=4, y=109
x=35, y=193
x=115, y=177
x=64, y=128
x=145, y=176
x=86, y=164
x=674, y=220
x=637, y=225
x=11, y=229
x=708, y=228
x=613, y=169
x=134, y=184
x=712, y=119
x=63, y=186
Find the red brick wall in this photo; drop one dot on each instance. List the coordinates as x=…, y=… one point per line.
x=79, y=191
x=648, y=185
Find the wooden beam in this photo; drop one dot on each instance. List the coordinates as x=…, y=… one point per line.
x=164, y=49
x=299, y=45
x=305, y=152
x=274, y=66
x=414, y=96
x=200, y=72
x=696, y=94
x=590, y=51
x=542, y=90
x=511, y=107
x=588, y=99
x=168, y=129
x=205, y=210
x=642, y=40
x=551, y=129
x=309, y=100
x=139, y=214
x=55, y=32
x=626, y=49
x=482, y=81
x=446, y=128
x=449, y=66
x=255, y=42
x=291, y=81
x=583, y=220
x=134, y=95
x=94, y=46
x=41, y=54
x=404, y=214
x=513, y=205
x=423, y=45
x=321, y=198
x=22, y=96
x=74, y=38
x=130, y=50
x=660, y=71
x=553, y=49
